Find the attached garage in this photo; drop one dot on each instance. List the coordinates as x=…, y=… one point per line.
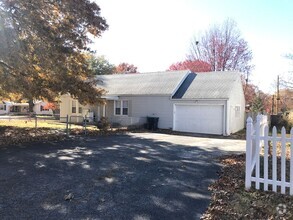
x=209, y=103
x=205, y=119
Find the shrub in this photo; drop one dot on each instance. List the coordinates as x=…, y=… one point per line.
x=103, y=124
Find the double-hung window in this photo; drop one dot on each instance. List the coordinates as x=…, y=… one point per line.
x=121, y=107
x=73, y=110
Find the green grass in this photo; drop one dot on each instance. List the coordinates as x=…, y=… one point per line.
x=41, y=123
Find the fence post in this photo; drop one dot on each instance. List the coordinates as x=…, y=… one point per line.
x=84, y=125
x=69, y=121
x=291, y=161
x=274, y=159
x=266, y=157
x=249, y=127
x=67, y=125
x=283, y=160
x=257, y=150
x=36, y=121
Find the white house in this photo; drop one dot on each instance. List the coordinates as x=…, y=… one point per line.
x=39, y=108
x=209, y=103
x=4, y=107
x=7, y=107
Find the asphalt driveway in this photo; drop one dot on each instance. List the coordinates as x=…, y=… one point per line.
x=135, y=176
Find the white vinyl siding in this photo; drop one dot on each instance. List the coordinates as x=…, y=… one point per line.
x=139, y=107
x=237, y=111
x=236, y=118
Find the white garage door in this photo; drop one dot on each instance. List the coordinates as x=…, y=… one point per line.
x=205, y=119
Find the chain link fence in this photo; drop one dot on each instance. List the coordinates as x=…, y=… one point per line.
x=63, y=124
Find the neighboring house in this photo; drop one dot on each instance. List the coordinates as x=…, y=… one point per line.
x=4, y=107
x=76, y=112
x=209, y=103
x=7, y=107
x=40, y=108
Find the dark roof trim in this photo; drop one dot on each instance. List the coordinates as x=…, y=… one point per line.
x=184, y=86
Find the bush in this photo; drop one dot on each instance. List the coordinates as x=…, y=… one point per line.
x=103, y=124
x=288, y=120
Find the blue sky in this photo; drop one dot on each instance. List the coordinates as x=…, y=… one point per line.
x=153, y=34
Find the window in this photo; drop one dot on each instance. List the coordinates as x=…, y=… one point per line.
x=3, y=107
x=80, y=110
x=237, y=111
x=41, y=108
x=121, y=107
x=124, y=107
x=73, y=106
x=117, y=107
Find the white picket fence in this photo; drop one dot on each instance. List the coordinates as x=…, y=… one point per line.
x=257, y=137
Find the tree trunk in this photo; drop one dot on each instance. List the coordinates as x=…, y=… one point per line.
x=31, y=106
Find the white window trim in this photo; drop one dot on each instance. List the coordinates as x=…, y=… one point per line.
x=121, y=108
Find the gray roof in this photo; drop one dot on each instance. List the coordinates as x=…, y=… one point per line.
x=157, y=83
x=210, y=85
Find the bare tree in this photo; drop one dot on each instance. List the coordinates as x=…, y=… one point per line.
x=223, y=48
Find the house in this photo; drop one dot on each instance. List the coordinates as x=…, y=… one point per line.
x=209, y=103
x=40, y=108
x=4, y=107
x=7, y=107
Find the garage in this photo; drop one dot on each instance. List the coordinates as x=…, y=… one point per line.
x=205, y=119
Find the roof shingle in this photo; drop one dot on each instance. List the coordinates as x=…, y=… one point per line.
x=157, y=83
x=210, y=85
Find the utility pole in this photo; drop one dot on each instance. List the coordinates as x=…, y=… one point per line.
x=278, y=94
x=197, y=50
x=273, y=104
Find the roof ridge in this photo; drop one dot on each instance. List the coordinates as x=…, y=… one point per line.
x=145, y=73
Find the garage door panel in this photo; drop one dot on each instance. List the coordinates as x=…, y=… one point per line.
x=207, y=119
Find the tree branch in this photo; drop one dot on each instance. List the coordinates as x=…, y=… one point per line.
x=6, y=65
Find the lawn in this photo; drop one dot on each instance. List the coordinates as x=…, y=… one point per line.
x=18, y=131
x=41, y=123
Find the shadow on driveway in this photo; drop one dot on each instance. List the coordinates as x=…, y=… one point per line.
x=111, y=177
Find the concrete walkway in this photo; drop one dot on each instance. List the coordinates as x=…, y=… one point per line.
x=208, y=144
